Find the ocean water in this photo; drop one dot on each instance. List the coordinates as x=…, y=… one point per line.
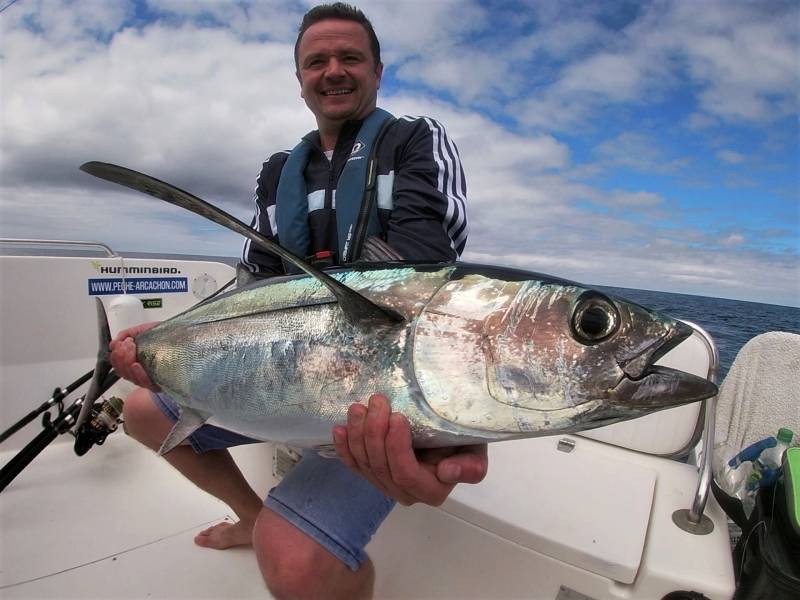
x=730, y=323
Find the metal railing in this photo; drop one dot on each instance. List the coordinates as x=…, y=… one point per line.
x=692, y=519
x=59, y=243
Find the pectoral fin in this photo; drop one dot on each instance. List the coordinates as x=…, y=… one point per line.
x=190, y=421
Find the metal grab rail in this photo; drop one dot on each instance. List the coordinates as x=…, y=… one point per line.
x=692, y=519
x=37, y=242
x=706, y=471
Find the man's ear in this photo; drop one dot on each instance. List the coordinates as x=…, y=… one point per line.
x=300, y=81
x=379, y=74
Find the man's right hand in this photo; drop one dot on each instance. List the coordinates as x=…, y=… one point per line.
x=123, y=356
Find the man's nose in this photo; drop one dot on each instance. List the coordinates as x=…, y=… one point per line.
x=335, y=68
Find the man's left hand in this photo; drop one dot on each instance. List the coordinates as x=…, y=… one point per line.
x=377, y=444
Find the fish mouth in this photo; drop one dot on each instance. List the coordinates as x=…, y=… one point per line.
x=637, y=367
x=662, y=387
x=650, y=386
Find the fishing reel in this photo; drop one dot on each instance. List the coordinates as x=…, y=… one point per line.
x=104, y=420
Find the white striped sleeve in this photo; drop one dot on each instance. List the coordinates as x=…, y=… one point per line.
x=451, y=183
x=267, y=227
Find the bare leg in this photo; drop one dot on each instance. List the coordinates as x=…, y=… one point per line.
x=214, y=472
x=296, y=566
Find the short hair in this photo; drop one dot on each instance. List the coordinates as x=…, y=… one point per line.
x=343, y=12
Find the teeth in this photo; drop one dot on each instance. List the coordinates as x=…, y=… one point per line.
x=337, y=92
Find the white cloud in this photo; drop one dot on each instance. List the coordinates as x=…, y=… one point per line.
x=742, y=57
x=637, y=150
x=640, y=199
x=733, y=239
x=612, y=77
x=186, y=103
x=420, y=29
x=468, y=75
x=275, y=19
x=563, y=38
x=60, y=21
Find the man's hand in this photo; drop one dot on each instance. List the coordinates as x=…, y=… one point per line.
x=377, y=444
x=123, y=356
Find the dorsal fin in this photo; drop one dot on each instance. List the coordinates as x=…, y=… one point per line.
x=358, y=309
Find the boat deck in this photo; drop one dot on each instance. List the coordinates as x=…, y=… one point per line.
x=104, y=538
x=119, y=523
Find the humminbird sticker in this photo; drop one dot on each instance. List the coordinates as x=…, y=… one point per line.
x=138, y=285
x=144, y=270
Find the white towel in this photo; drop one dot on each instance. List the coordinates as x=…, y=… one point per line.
x=760, y=394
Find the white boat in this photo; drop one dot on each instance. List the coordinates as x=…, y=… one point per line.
x=611, y=514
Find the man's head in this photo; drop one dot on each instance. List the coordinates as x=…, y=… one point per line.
x=343, y=12
x=337, y=55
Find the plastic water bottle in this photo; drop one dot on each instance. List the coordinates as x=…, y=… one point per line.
x=752, y=452
x=767, y=468
x=771, y=458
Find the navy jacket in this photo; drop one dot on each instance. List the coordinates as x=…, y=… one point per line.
x=421, y=194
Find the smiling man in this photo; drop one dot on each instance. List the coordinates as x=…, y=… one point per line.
x=310, y=533
x=338, y=76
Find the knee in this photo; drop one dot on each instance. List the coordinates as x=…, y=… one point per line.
x=292, y=564
x=143, y=420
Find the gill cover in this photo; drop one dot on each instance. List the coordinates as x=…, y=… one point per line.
x=482, y=355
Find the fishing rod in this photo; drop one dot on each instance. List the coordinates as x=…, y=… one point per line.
x=57, y=398
x=93, y=432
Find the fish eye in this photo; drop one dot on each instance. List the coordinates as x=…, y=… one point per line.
x=594, y=319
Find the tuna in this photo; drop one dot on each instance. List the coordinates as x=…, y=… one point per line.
x=468, y=353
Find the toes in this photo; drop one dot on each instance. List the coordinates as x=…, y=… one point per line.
x=224, y=535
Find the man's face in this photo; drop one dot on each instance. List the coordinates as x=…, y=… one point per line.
x=339, y=79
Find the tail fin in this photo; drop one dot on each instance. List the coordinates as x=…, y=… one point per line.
x=101, y=368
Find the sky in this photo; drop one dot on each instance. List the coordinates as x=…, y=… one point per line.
x=650, y=145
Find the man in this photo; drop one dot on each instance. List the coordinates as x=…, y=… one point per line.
x=310, y=533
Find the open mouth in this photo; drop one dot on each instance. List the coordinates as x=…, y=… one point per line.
x=338, y=92
x=639, y=366
x=649, y=385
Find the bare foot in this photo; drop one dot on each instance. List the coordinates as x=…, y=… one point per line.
x=225, y=535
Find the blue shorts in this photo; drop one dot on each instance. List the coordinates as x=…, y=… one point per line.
x=324, y=499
